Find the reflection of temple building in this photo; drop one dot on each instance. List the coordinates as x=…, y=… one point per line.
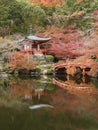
x=38, y=91
x=26, y=89
x=26, y=93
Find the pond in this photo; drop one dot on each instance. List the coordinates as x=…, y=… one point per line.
x=39, y=103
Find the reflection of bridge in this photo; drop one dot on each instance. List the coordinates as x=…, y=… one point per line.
x=74, y=87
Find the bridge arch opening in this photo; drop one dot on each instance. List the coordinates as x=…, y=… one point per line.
x=87, y=69
x=78, y=70
x=61, y=71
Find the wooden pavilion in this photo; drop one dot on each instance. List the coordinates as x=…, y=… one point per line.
x=33, y=43
x=30, y=49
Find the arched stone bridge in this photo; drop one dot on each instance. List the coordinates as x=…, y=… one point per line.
x=72, y=68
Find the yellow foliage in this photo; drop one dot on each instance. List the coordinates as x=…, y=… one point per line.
x=78, y=14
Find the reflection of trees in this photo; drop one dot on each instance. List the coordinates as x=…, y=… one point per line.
x=4, y=83
x=22, y=88
x=27, y=88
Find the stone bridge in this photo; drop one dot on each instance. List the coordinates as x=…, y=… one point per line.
x=72, y=68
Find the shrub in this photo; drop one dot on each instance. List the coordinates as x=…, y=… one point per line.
x=49, y=58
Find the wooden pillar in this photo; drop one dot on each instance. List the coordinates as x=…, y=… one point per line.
x=83, y=71
x=83, y=78
x=67, y=69
x=68, y=78
x=28, y=57
x=38, y=47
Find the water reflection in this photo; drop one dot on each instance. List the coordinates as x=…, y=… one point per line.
x=73, y=108
x=28, y=88
x=43, y=89
x=77, y=80
x=35, y=88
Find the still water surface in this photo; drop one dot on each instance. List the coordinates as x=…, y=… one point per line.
x=72, y=108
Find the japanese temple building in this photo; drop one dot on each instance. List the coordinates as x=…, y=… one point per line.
x=33, y=44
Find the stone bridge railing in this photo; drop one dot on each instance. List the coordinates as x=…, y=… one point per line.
x=71, y=68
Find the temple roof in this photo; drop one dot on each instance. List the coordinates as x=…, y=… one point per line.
x=38, y=39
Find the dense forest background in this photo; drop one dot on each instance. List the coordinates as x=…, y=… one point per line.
x=18, y=15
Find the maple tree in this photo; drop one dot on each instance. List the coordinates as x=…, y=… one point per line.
x=65, y=43
x=18, y=60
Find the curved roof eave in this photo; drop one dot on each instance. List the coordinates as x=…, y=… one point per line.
x=36, y=38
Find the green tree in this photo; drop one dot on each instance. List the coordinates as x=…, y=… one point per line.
x=16, y=16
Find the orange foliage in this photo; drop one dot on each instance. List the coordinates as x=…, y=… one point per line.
x=49, y=2
x=19, y=61
x=79, y=1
